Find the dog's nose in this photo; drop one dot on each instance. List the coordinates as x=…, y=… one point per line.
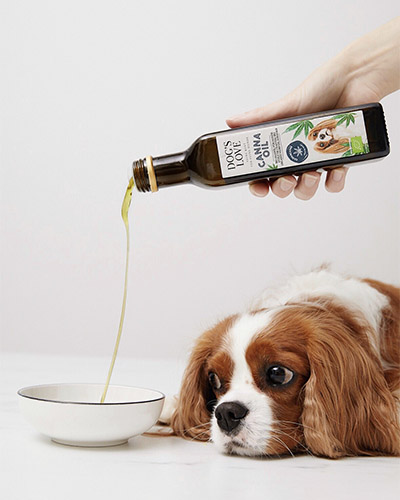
x=229, y=415
x=322, y=137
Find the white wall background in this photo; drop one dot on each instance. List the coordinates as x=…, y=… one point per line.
x=89, y=86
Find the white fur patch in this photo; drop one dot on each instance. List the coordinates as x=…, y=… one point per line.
x=253, y=436
x=241, y=333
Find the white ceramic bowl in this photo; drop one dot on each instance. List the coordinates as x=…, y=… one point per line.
x=72, y=414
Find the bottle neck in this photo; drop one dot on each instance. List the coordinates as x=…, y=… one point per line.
x=150, y=174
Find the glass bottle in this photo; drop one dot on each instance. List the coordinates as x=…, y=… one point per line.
x=289, y=146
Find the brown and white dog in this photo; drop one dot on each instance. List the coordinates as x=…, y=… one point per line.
x=327, y=138
x=314, y=367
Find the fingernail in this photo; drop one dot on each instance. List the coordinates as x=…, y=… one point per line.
x=309, y=180
x=259, y=190
x=285, y=184
x=337, y=175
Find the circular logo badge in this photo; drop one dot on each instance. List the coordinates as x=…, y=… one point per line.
x=297, y=151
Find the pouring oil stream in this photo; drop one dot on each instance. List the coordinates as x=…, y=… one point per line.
x=124, y=213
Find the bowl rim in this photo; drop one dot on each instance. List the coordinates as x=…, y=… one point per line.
x=106, y=403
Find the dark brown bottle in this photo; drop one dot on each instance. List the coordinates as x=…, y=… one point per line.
x=281, y=147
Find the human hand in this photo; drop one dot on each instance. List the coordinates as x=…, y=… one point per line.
x=363, y=72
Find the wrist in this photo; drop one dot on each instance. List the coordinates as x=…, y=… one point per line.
x=374, y=58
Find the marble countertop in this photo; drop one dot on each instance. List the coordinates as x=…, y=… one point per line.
x=33, y=467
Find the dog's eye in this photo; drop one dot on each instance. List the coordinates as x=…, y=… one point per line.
x=279, y=375
x=322, y=144
x=214, y=381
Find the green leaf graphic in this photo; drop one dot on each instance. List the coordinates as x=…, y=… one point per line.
x=298, y=131
x=345, y=117
x=305, y=125
x=292, y=127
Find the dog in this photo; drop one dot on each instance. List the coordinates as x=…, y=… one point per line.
x=312, y=366
x=325, y=136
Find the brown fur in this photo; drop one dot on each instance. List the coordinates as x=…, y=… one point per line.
x=343, y=400
x=348, y=407
x=333, y=146
x=269, y=348
x=390, y=335
x=193, y=418
x=313, y=134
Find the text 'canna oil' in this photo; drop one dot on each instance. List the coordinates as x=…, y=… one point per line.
x=281, y=147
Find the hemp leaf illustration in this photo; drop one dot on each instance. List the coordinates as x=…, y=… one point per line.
x=274, y=166
x=345, y=117
x=304, y=125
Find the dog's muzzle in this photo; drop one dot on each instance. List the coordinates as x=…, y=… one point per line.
x=230, y=415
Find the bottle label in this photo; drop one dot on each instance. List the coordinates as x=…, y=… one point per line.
x=320, y=138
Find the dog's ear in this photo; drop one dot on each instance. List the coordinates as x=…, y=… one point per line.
x=348, y=408
x=333, y=147
x=196, y=402
x=313, y=134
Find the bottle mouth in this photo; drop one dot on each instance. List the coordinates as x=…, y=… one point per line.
x=144, y=175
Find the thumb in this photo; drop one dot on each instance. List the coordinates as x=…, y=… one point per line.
x=283, y=108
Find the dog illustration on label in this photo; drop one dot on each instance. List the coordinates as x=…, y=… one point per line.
x=328, y=138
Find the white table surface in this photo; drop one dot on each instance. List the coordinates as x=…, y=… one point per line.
x=33, y=467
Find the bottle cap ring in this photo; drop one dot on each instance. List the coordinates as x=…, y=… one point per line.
x=151, y=174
